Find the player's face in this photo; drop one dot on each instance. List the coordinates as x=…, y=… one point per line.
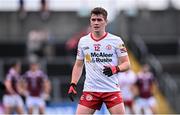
x=34, y=67
x=97, y=23
x=18, y=68
x=146, y=68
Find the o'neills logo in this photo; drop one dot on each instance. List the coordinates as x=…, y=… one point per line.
x=101, y=54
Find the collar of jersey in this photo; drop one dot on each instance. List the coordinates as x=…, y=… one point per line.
x=99, y=38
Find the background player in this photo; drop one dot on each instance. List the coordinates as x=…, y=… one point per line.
x=12, y=100
x=145, y=103
x=104, y=56
x=37, y=88
x=126, y=81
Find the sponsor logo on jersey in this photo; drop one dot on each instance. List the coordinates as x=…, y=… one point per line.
x=122, y=48
x=85, y=48
x=114, y=98
x=101, y=60
x=101, y=57
x=101, y=54
x=88, y=58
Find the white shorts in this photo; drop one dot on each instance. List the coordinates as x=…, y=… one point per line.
x=35, y=101
x=149, y=102
x=13, y=101
x=144, y=104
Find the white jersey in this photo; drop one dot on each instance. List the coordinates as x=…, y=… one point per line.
x=96, y=55
x=126, y=80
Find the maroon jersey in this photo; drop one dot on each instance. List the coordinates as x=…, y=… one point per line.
x=35, y=82
x=14, y=77
x=144, y=83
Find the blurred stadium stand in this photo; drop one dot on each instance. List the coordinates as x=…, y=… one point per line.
x=151, y=35
x=61, y=24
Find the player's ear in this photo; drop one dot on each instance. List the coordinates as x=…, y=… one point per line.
x=106, y=22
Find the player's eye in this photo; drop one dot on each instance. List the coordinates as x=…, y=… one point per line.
x=93, y=20
x=96, y=20
x=99, y=20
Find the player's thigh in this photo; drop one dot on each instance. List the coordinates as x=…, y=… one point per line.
x=8, y=110
x=117, y=109
x=81, y=109
x=30, y=110
x=20, y=110
x=152, y=102
x=19, y=104
x=42, y=106
x=30, y=102
x=41, y=110
x=91, y=100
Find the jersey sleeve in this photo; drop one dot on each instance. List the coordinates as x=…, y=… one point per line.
x=45, y=76
x=121, y=49
x=80, y=54
x=8, y=76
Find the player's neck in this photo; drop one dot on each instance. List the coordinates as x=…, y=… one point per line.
x=98, y=35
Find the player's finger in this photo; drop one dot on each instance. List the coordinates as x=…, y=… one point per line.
x=71, y=97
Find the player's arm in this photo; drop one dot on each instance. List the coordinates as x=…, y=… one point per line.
x=124, y=65
x=20, y=86
x=47, y=89
x=47, y=86
x=9, y=86
x=24, y=85
x=76, y=74
x=77, y=71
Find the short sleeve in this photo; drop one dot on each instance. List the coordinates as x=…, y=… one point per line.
x=80, y=54
x=8, y=76
x=45, y=76
x=121, y=49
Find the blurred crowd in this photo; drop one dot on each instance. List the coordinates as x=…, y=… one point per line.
x=44, y=10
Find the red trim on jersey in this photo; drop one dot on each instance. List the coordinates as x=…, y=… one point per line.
x=99, y=38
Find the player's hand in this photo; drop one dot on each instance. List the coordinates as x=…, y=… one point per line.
x=72, y=91
x=110, y=70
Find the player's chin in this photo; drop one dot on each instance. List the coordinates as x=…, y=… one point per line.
x=96, y=30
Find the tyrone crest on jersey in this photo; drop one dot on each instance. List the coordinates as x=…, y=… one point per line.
x=108, y=47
